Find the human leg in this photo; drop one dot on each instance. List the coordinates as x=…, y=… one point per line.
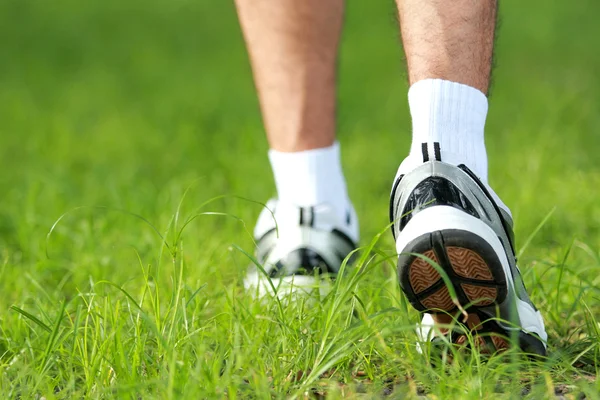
x=441, y=204
x=293, y=52
x=293, y=48
x=446, y=40
x=449, y=48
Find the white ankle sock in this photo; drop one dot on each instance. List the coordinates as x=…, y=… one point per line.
x=311, y=177
x=452, y=115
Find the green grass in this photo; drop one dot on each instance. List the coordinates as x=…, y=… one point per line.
x=111, y=111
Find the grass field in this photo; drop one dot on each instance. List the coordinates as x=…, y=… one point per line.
x=127, y=119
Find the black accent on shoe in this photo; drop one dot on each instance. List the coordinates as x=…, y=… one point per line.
x=519, y=284
x=272, y=231
x=425, y=152
x=532, y=344
x=494, y=337
x=529, y=343
x=392, y=197
x=509, y=232
x=312, y=217
x=437, y=152
x=265, y=244
x=302, y=261
x=434, y=191
x=301, y=216
x=344, y=237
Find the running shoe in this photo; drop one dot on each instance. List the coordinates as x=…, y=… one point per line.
x=300, y=248
x=445, y=215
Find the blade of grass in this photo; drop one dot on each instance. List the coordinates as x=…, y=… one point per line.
x=32, y=318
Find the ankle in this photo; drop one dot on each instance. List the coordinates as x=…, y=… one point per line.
x=448, y=125
x=311, y=177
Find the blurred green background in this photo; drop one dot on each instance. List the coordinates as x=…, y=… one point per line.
x=126, y=104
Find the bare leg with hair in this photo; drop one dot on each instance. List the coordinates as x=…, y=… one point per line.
x=293, y=47
x=293, y=50
x=458, y=221
x=451, y=40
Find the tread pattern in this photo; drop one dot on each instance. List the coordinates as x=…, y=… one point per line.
x=480, y=295
x=468, y=264
x=485, y=341
x=471, y=264
x=478, y=279
x=422, y=274
x=461, y=340
x=439, y=300
x=500, y=343
x=494, y=344
x=479, y=341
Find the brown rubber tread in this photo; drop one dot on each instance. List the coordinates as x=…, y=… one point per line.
x=439, y=300
x=474, y=325
x=473, y=321
x=500, y=343
x=480, y=295
x=422, y=274
x=478, y=341
x=462, y=339
x=468, y=264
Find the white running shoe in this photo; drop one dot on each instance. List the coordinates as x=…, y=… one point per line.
x=298, y=246
x=446, y=214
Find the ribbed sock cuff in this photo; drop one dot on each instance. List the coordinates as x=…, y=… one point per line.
x=311, y=177
x=452, y=115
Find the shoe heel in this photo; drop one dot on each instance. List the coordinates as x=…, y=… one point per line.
x=471, y=263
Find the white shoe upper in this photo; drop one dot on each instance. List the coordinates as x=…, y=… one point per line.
x=469, y=205
x=286, y=218
x=298, y=242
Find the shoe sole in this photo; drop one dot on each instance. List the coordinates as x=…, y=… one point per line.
x=471, y=259
x=473, y=268
x=470, y=263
